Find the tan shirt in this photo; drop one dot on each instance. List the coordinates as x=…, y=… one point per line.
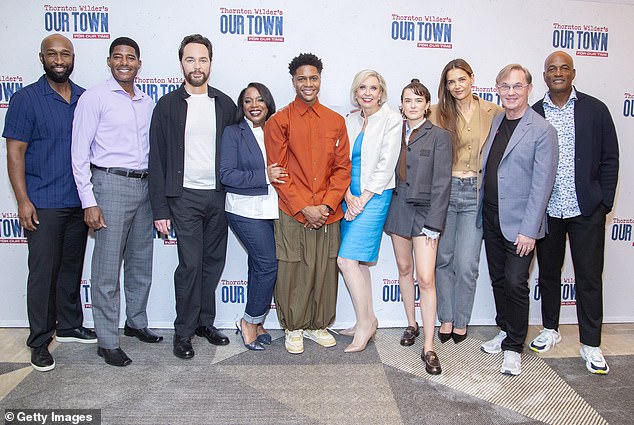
x=468, y=143
x=472, y=135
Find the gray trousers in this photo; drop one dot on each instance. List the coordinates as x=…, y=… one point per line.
x=125, y=205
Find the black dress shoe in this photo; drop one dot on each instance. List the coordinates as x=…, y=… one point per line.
x=409, y=335
x=41, y=358
x=114, y=356
x=81, y=334
x=457, y=338
x=144, y=334
x=213, y=335
x=183, y=347
x=443, y=337
x=432, y=364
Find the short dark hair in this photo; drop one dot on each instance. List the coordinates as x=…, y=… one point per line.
x=267, y=97
x=305, y=59
x=195, y=38
x=125, y=41
x=419, y=89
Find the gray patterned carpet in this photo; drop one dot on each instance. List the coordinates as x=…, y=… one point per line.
x=385, y=384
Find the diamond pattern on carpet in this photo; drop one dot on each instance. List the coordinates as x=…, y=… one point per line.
x=538, y=393
x=323, y=392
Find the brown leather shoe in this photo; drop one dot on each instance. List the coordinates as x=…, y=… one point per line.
x=409, y=335
x=432, y=364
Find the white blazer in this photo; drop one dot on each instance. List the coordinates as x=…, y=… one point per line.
x=380, y=149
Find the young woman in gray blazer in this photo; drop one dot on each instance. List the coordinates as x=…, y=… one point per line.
x=418, y=211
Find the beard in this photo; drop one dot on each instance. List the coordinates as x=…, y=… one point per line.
x=59, y=77
x=197, y=82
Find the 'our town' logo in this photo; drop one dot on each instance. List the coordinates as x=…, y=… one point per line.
x=621, y=230
x=628, y=105
x=487, y=93
x=585, y=40
x=391, y=292
x=8, y=86
x=157, y=87
x=568, y=291
x=84, y=21
x=85, y=292
x=10, y=229
x=258, y=24
x=233, y=291
x=428, y=32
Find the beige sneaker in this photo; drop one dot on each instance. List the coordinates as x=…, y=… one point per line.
x=321, y=337
x=294, y=342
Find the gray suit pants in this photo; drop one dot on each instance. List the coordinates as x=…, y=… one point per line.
x=125, y=205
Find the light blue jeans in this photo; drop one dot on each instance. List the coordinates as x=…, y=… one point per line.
x=458, y=255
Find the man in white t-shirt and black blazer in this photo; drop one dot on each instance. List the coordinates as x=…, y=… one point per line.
x=185, y=190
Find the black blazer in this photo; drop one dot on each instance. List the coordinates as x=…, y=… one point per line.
x=596, y=153
x=167, y=145
x=242, y=168
x=429, y=161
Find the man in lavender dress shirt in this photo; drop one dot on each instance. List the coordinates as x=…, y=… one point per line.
x=109, y=151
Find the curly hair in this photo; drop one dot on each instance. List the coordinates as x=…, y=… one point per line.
x=305, y=59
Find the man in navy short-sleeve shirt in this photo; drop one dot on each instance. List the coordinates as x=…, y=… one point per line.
x=38, y=128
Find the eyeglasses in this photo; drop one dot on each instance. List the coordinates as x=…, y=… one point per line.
x=505, y=88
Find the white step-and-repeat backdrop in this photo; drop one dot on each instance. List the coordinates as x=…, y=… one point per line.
x=255, y=40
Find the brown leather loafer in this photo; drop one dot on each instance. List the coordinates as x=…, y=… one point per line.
x=409, y=335
x=432, y=364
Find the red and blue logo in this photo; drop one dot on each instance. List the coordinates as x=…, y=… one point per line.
x=88, y=21
x=10, y=229
x=584, y=40
x=428, y=32
x=157, y=87
x=257, y=24
x=8, y=86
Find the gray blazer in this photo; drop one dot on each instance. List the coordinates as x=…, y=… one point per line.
x=526, y=175
x=429, y=157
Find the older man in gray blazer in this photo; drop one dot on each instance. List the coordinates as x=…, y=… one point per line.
x=519, y=167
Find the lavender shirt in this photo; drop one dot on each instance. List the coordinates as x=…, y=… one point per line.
x=110, y=129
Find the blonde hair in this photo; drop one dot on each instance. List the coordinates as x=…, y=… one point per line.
x=360, y=78
x=514, y=67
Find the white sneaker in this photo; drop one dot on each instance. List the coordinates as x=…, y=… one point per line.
x=595, y=362
x=294, y=341
x=321, y=337
x=494, y=346
x=512, y=364
x=546, y=340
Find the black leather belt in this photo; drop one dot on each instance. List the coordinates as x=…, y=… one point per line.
x=134, y=174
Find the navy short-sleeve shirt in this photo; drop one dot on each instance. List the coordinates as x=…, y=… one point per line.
x=40, y=117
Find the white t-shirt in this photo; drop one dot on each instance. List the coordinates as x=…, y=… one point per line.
x=200, y=143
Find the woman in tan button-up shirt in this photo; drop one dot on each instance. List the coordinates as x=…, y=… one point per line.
x=468, y=119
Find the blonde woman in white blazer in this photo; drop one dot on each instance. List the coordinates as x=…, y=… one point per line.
x=375, y=133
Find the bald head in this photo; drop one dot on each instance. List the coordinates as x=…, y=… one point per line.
x=560, y=55
x=58, y=58
x=559, y=73
x=56, y=40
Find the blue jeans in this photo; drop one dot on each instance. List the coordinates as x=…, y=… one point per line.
x=459, y=255
x=257, y=237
